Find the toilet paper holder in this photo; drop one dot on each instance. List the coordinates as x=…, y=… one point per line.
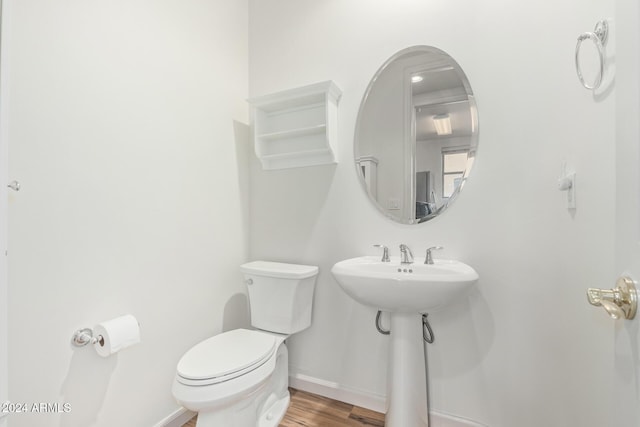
x=110, y=336
x=84, y=336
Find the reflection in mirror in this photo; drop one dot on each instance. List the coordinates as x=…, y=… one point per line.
x=416, y=135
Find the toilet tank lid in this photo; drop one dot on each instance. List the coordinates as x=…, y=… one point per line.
x=279, y=269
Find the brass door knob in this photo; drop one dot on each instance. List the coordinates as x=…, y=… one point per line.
x=622, y=301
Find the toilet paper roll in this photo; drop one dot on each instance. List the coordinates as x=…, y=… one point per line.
x=116, y=334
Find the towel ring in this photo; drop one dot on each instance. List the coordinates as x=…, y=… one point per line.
x=599, y=38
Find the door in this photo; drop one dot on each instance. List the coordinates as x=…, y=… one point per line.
x=626, y=370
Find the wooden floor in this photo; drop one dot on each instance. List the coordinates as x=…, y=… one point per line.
x=311, y=410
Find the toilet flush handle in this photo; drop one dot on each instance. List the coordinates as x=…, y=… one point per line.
x=249, y=281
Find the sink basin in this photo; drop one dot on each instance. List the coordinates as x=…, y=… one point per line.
x=406, y=288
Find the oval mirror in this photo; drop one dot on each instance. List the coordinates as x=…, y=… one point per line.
x=416, y=134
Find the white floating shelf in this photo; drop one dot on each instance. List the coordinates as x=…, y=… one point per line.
x=319, y=129
x=297, y=127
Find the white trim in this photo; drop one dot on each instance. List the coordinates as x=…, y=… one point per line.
x=176, y=419
x=372, y=401
x=335, y=391
x=443, y=419
x=338, y=392
x=4, y=414
x=4, y=179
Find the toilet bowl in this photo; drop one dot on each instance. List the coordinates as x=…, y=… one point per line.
x=240, y=378
x=225, y=393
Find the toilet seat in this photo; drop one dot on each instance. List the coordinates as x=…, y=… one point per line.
x=225, y=356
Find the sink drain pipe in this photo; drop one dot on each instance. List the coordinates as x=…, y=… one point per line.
x=378, y=327
x=428, y=337
x=427, y=332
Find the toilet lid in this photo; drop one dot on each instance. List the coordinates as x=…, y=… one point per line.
x=236, y=351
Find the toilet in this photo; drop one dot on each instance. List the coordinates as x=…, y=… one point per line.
x=240, y=378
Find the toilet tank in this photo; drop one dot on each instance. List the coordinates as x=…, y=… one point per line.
x=280, y=295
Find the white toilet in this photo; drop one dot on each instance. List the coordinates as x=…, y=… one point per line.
x=240, y=378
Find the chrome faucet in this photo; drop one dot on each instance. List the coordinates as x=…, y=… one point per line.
x=406, y=257
x=429, y=258
x=385, y=252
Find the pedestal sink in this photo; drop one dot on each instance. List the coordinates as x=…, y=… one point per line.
x=406, y=291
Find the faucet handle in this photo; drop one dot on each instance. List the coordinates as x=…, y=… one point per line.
x=406, y=256
x=385, y=252
x=429, y=258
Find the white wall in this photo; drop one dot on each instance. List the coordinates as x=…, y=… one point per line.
x=125, y=133
x=524, y=349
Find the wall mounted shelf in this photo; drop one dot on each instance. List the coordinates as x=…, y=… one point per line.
x=297, y=127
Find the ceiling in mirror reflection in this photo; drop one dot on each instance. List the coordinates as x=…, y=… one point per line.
x=458, y=113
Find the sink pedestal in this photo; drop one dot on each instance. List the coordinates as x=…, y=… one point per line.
x=407, y=378
x=405, y=291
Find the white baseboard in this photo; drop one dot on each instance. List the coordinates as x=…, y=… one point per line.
x=339, y=392
x=177, y=418
x=334, y=391
x=366, y=400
